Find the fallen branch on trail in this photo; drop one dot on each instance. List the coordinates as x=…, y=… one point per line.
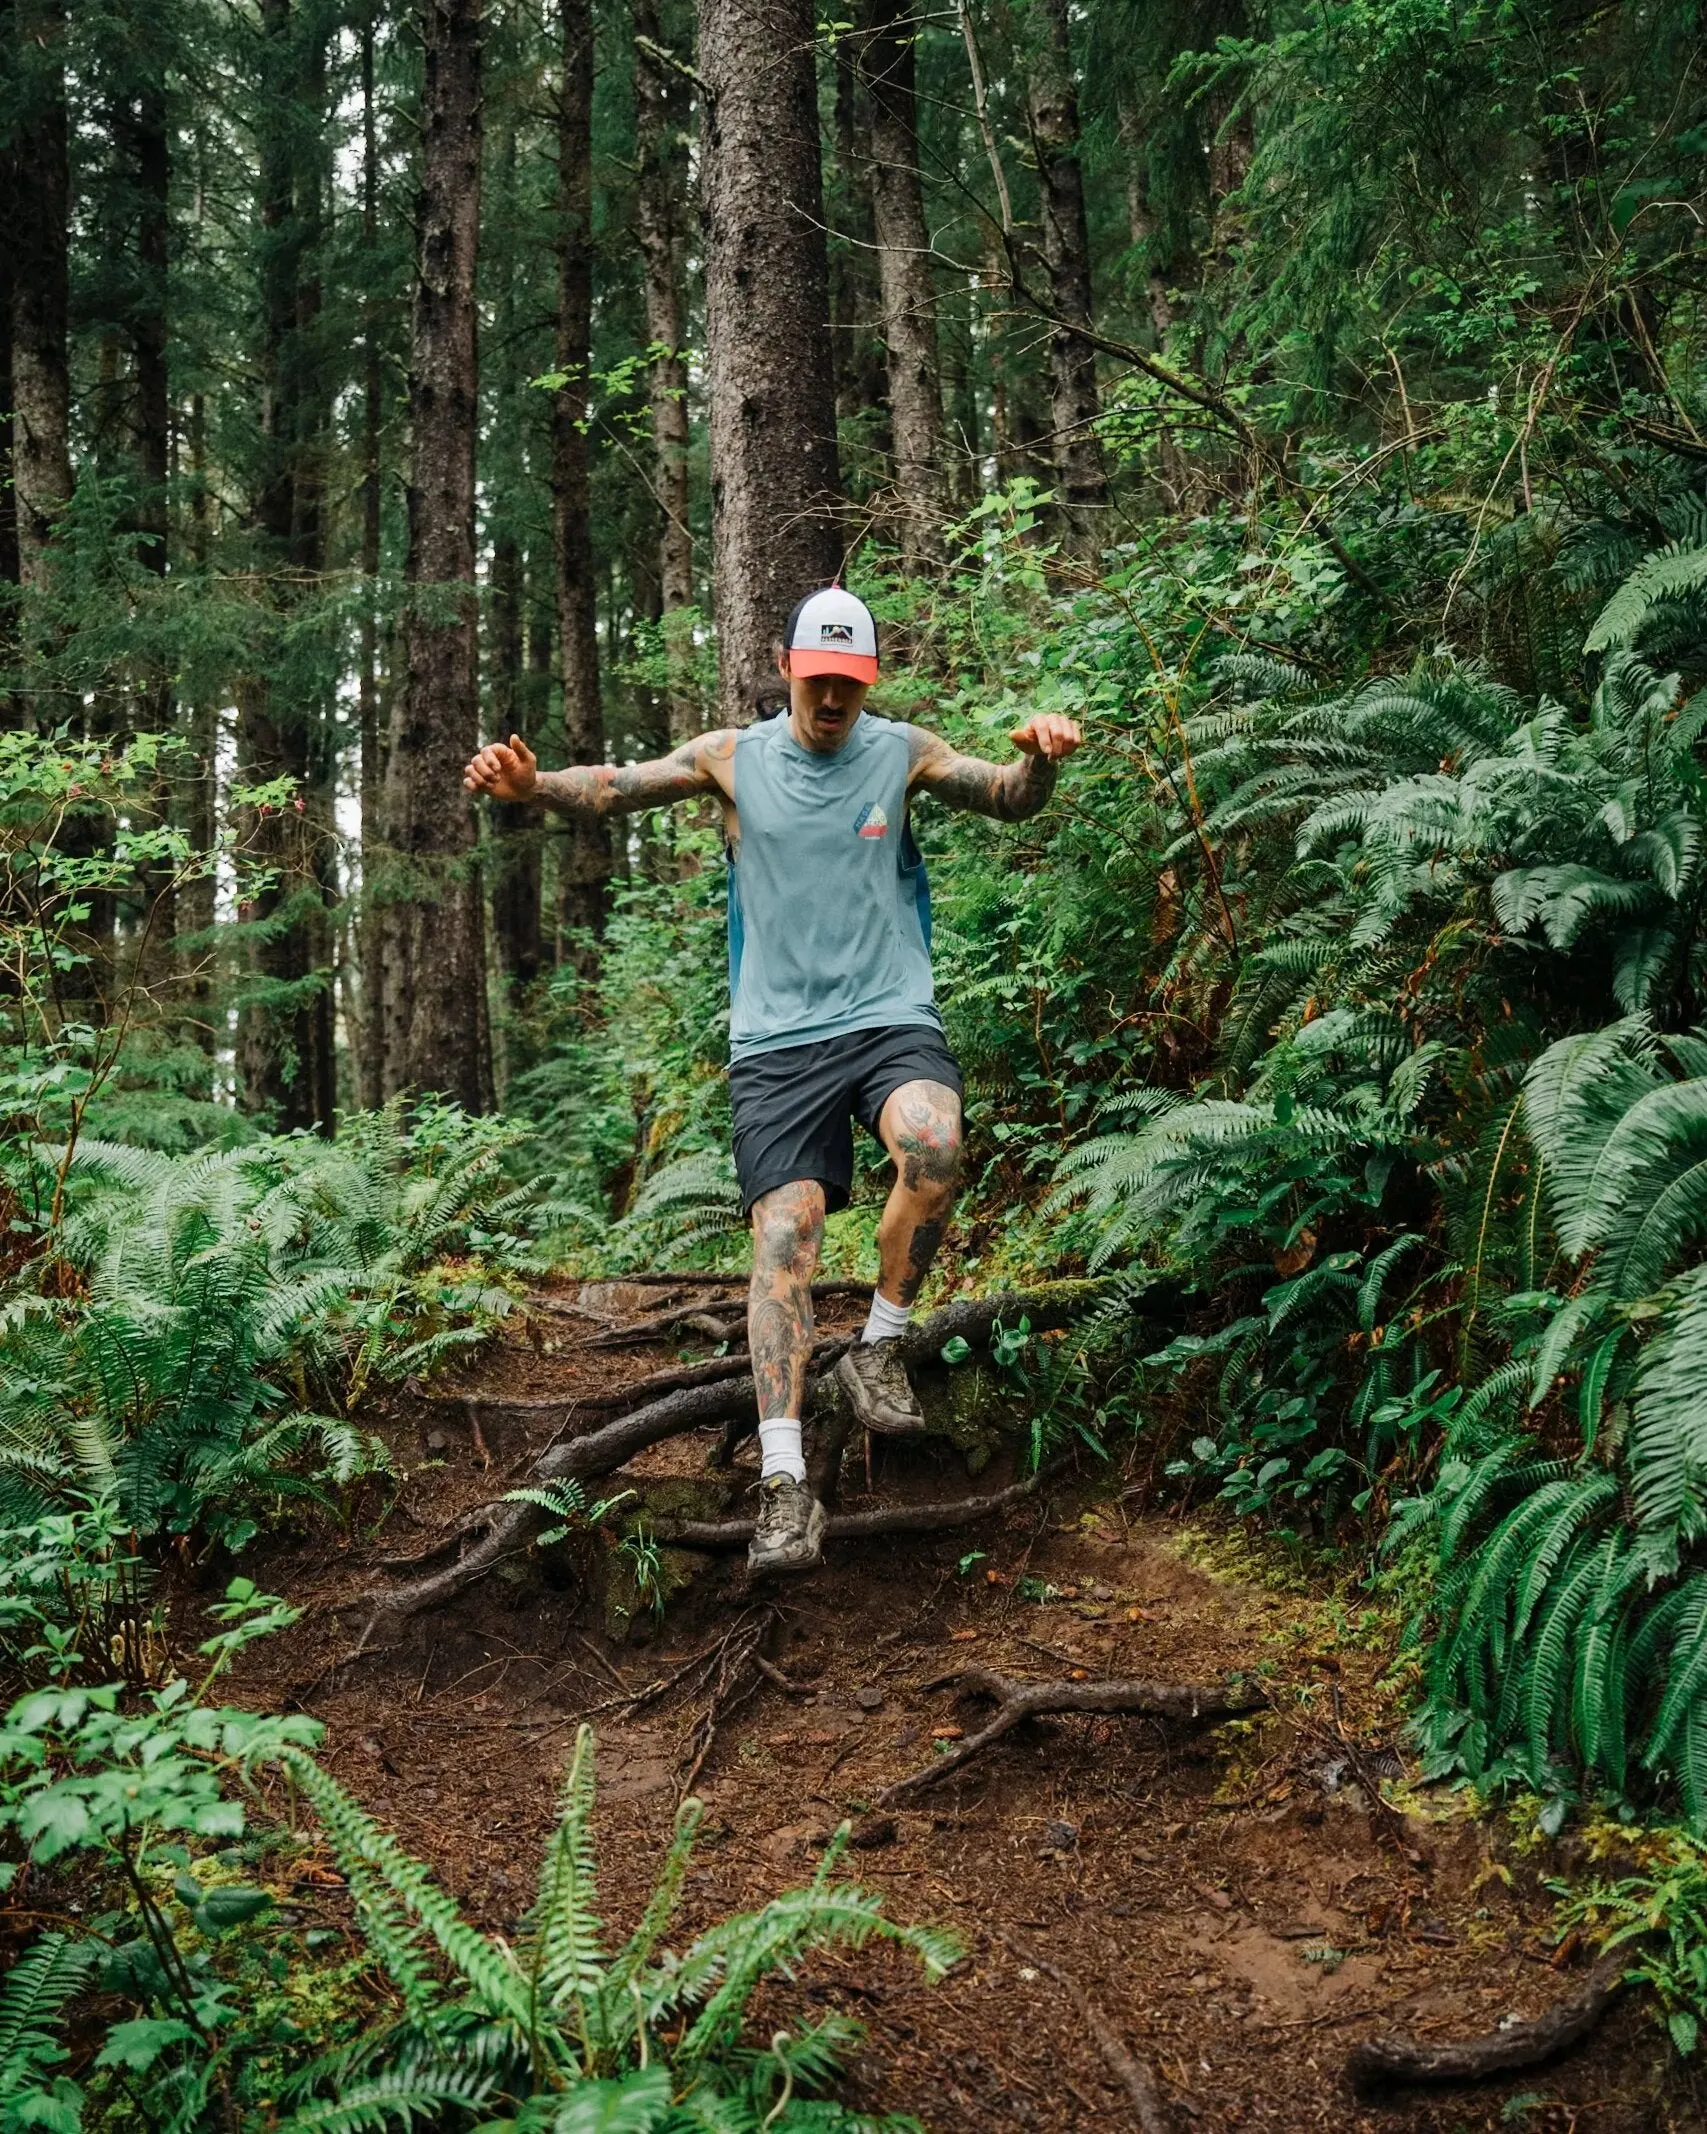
x=658, y=1279
x=1016, y=1701
x=1132, y=2075
x=1378, y=2061
x=506, y=1527
x=716, y=1534
x=714, y=1369
x=698, y=1319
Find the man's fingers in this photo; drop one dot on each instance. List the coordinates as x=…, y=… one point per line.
x=1048, y=735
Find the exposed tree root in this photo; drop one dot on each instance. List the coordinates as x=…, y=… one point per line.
x=717, y=1534
x=714, y=1369
x=659, y=1279
x=1500, y=2052
x=602, y=1451
x=1028, y=1700
x=1132, y=2075
x=696, y=1319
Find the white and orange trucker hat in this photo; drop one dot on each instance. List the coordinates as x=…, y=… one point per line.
x=832, y=631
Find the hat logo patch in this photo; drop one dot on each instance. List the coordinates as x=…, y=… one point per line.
x=836, y=633
x=871, y=820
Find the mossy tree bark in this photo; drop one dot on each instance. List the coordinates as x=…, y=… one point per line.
x=774, y=469
x=904, y=269
x=1074, y=405
x=436, y=1032
x=660, y=124
x=584, y=852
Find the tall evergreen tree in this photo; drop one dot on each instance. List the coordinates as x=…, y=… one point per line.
x=432, y=977
x=286, y=1057
x=584, y=863
x=41, y=376
x=774, y=473
x=660, y=110
x=904, y=265
x=1073, y=400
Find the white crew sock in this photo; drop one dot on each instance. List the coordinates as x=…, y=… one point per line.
x=780, y=1448
x=887, y=1322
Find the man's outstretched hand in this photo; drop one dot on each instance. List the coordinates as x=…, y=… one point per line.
x=503, y=773
x=1049, y=736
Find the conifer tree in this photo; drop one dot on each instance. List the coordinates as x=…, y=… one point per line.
x=432, y=976
x=584, y=866
x=41, y=377
x=1054, y=118
x=661, y=77
x=774, y=468
x=904, y=265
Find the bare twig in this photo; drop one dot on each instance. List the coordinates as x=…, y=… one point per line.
x=737, y=1679
x=1016, y=1701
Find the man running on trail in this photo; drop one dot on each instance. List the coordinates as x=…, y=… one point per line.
x=832, y=1016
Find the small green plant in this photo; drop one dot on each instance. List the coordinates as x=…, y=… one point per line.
x=566, y=1501
x=558, y=2030
x=640, y=1552
x=1660, y=1916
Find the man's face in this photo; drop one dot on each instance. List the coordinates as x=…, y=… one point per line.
x=822, y=707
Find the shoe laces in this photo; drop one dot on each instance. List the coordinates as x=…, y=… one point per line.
x=778, y=1511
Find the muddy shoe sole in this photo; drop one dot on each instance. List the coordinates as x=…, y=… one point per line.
x=804, y=1555
x=881, y=1422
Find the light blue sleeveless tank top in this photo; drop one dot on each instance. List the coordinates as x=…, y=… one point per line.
x=829, y=910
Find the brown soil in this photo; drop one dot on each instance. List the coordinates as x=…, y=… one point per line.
x=1226, y=1898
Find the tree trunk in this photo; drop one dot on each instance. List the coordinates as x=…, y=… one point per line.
x=856, y=347
x=141, y=139
x=661, y=144
x=904, y=268
x=142, y=240
x=1054, y=104
x=435, y=1028
x=773, y=415
x=12, y=706
x=41, y=380
x=285, y=1046
x=585, y=853
x=197, y=899
x=368, y=1026
x=512, y=846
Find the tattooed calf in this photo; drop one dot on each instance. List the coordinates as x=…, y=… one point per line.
x=921, y=1250
x=788, y=1228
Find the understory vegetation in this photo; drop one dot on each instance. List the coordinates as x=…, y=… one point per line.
x=1339, y=462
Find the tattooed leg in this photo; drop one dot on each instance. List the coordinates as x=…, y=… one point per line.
x=920, y=1127
x=788, y=1228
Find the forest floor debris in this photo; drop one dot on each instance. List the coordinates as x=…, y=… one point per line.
x=1235, y=1958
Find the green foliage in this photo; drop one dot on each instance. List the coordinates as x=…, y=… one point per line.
x=136, y=1790
x=1660, y=1915
x=571, y=2032
x=235, y=1304
x=32, y=2008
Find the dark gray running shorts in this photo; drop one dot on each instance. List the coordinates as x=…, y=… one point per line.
x=795, y=1107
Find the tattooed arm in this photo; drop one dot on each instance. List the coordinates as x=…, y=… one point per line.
x=1008, y=791
x=702, y=765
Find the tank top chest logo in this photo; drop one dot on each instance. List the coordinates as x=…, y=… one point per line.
x=871, y=820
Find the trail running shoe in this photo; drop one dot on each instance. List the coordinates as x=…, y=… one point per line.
x=789, y=1532
x=875, y=1380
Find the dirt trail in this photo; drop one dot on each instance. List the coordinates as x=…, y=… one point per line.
x=1239, y=1950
